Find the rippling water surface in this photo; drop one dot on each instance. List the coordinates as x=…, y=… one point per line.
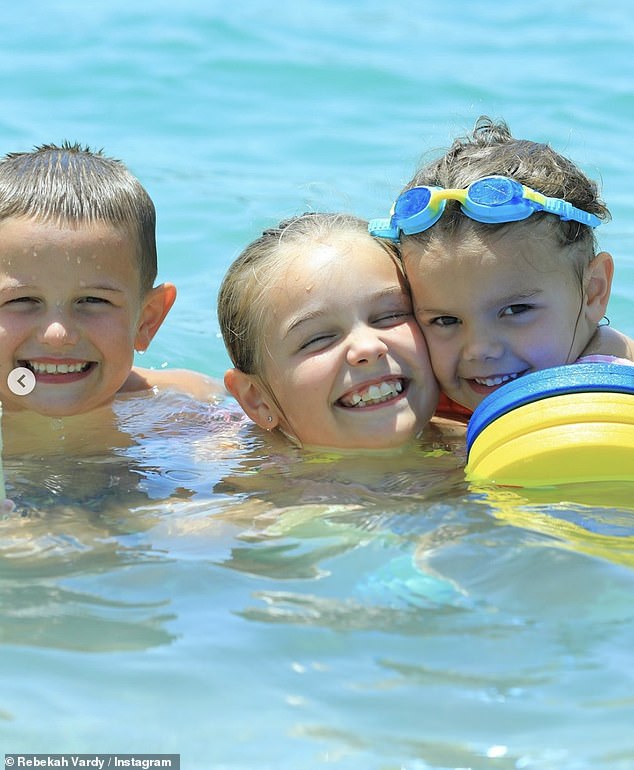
x=203, y=590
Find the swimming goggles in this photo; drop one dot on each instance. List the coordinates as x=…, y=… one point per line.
x=493, y=200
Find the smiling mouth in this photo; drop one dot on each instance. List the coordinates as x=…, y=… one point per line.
x=41, y=367
x=374, y=394
x=498, y=379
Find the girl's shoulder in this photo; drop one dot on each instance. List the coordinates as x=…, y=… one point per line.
x=608, y=341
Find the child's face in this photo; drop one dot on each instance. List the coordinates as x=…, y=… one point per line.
x=70, y=310
x=495, y=308
x=347, y=361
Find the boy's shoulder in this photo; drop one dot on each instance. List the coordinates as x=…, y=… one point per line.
x=187, y=381
x=108, y=429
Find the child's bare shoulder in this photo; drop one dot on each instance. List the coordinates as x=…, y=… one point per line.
x=194, y=384
x=610, y=342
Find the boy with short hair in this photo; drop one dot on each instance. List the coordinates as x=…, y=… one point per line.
x=77, y=270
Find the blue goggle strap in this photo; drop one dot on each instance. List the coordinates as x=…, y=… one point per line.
x=383, y=228
x=561, y=208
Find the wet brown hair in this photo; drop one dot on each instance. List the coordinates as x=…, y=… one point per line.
x=491, y=149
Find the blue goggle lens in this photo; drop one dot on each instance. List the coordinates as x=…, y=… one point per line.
x=412, y=202
x=494, y=191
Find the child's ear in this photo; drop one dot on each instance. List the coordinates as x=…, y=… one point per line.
x=252, y=397
x=156, y=305
x=598, y=284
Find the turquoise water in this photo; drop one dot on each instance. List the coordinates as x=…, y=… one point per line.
x=234, y=601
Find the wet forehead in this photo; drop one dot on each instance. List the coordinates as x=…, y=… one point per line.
x=341, y=261
x=520, y=245
x=39, y=251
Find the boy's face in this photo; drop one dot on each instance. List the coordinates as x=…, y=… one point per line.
x=348, y=363
x=70, y=310
x=494, y=308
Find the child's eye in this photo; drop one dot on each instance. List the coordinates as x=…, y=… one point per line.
x=392, y=318
x=318, y=342
x=93, y=301
x=518, y=309
x=444, y=320
x=21, y=302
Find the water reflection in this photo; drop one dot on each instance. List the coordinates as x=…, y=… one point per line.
x=596, y=520
x=375, y=608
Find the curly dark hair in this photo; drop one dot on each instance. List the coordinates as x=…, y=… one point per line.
x=490, y=149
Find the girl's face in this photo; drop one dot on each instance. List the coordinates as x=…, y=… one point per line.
x=344, y=356
x=495, y=307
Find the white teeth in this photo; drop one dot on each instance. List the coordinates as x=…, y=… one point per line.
x=493, y=381
x=375, y=394
x=42, y=368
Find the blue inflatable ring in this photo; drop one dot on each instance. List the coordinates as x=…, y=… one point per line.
x=560, y=380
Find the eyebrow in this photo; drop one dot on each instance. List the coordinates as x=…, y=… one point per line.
x=12, y=285
x=102, y=287
x=311, y=315
x=508, y=300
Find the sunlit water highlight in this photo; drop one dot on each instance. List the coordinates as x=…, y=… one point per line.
x=206, y=590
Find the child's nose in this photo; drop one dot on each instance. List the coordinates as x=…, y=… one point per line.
x=365, y=347
x=58, y=332
x=482, y=345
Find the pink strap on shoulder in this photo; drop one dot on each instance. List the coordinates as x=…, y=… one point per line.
x=599, y=359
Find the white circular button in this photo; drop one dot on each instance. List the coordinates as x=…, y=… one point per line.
x=21, y=381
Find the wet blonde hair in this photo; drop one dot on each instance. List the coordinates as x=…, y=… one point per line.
x=243, y=299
